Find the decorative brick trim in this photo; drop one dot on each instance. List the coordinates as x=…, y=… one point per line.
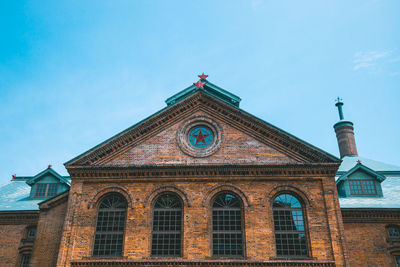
x=225, y=187
x=111, y=189
x=371, y=215
x=176, y=171
x=19, y=217
x=108, y=262
x=166, y=188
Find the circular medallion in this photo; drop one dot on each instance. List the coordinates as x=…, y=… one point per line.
x=199, y=136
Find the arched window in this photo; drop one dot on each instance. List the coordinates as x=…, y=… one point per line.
x=290, y=234
x=110, y=226
x=167, y=226
x=227, y=226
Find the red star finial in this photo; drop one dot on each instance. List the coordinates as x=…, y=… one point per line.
x=200, y=137
x=13, y=176
x=202, y=76
x=49, y=166
x=199, y=84
x=359, y=161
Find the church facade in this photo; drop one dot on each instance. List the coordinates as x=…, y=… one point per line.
x=199, y=183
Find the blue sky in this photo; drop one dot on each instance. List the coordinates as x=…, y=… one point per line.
x=74, y=73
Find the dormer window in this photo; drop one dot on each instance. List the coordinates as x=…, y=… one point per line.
x=362, y=187
x=46, y=190
x=360, y=181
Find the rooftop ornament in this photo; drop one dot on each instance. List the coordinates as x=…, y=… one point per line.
x=49, y=166
x=199, y=84
x=13, y=176
x=202, y=76
x=339, y=104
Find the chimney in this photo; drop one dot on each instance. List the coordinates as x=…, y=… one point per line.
x=345, y=133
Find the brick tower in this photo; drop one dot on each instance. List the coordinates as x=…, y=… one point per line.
x=345, y=134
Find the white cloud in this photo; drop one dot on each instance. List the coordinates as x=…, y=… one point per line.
x=370, y=59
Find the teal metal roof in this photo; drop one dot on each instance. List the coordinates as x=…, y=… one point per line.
x=210, y=88
x=14, y=195
x=348, y=162
x=46, y=172
x=390, y=186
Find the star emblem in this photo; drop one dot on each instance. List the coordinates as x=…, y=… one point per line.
x=200, y=137
x=202, y=76
x=199, y=84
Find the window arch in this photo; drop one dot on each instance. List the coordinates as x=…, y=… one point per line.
x=227, y=225
x=290, y=233
x=110, y=226
x=167, y=226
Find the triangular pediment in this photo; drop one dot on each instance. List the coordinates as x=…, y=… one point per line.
x=247, y=140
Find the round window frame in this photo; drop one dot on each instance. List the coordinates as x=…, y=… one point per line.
x=184, y=130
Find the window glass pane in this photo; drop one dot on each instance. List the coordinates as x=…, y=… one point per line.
x=355, y=187
x=227, y=226
x=25, y=261
x=31, y=232
x=167, y=226
x=52, y=190
x=41, y=190
x=110, y=226
x=290, y=236
x=397, y=260
x=369, y=187
x=394, y=232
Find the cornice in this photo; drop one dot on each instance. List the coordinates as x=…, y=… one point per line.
x=370, y=215
x=19, y=217
x=202, y=171
x=264, y=132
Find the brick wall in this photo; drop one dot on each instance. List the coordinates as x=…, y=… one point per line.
x=321, y=212
x=11, y=236
x=367, y=244
x=162, y=149
x=48, y=236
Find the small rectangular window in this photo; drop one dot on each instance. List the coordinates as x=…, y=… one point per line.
x=26, y=259
x=362, y=187
x=46, y=190
x=31, y=232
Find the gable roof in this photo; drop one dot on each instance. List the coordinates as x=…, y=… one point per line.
x=220, y=102
x=360, y=167
x=48, y=171
x=348, y=162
